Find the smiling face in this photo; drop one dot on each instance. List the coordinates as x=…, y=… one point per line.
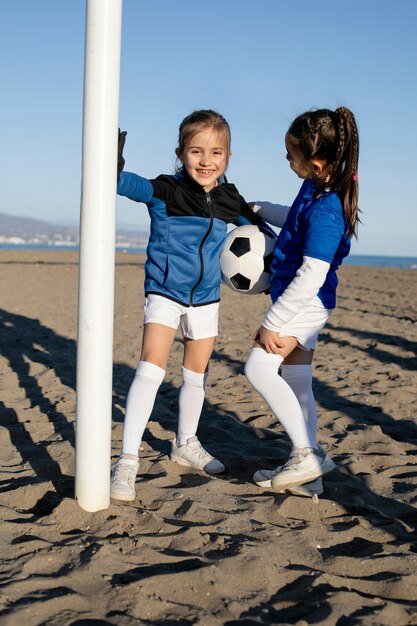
x=205, y=157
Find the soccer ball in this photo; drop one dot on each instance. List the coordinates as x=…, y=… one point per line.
x=246, y=257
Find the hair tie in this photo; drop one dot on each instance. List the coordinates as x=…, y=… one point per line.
x=354, y=177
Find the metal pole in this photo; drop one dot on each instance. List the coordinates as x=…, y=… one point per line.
x=97, y=254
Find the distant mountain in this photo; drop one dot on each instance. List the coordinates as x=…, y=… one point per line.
x=26, y=230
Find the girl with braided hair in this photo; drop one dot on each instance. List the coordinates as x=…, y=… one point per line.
x=322, y=149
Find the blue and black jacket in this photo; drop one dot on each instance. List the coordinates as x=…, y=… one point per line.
x=188, y=229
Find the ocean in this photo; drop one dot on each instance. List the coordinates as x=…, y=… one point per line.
x=403, y=262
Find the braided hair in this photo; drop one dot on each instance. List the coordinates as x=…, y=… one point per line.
x=332, y=136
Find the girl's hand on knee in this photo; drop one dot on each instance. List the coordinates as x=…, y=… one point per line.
x=269, y=340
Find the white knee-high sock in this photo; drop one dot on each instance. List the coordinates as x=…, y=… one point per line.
x=139, y=405
x=300, y=379
x=190, y=403
x=261, y=370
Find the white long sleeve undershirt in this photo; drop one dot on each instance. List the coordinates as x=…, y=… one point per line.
x=274, y=214
x=300, y=292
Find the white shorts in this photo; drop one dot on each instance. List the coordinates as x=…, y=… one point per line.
x=196, y=322
x=307, y=325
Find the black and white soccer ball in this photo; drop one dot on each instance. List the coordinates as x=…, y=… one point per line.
x=246, y=258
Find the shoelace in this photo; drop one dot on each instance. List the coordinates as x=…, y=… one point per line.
x=295, y=459
x=124, y=473
x=197, y=449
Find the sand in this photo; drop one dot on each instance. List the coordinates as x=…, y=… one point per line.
x=194, y=549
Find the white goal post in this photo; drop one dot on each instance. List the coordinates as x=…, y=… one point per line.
x=97, y=254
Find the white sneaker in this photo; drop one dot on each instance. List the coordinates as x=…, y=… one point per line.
x=192, y=454
x=122, y=482
x=264, y=477
x=303, y=466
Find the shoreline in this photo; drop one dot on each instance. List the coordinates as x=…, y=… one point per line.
x=363, y=260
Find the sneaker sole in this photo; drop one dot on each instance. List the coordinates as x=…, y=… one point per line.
x=313, y=488
x=122, y=497
x=186, y=463
x=304, y=490
x=326, y=467
x=264, y=483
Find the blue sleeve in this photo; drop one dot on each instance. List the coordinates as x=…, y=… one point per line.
x=324, y=232
x=134, y=187
x=242, y=221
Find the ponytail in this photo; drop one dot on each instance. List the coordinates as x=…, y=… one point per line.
x=344, y=172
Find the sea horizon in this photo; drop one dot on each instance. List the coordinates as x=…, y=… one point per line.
x=401, y=262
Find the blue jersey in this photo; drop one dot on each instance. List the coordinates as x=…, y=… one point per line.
x=315, y=227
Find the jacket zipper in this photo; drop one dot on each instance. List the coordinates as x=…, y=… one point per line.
x=201, y=246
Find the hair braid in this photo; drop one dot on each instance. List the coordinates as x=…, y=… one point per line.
x=340, y=127
x=346, y=168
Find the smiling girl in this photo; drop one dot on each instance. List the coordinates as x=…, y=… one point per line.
x=189, y=214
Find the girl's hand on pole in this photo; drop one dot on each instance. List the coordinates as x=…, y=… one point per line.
x=120, y=159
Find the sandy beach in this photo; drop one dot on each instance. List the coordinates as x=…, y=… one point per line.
x=194, y=549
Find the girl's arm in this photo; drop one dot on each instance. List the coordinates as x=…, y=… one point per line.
x=131, y=185
x=302, y=289
x=134, y=187
x=324, y=233
x=248, y=216
x=274, y=214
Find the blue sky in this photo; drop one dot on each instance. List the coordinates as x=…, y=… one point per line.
x=260, y=63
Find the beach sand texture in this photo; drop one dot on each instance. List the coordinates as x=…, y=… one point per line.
x=195, y=549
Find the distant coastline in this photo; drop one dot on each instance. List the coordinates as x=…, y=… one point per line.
x=72, y=246
x=399, y=262
x=23, y=233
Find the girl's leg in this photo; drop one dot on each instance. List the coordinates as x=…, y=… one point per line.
x=306, y=463
x=197, y=353
x=297, y=373
x=156, y=345
x=261, y=370
x=187, y=450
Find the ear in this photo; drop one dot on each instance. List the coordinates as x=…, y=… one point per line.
x=318, y=167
